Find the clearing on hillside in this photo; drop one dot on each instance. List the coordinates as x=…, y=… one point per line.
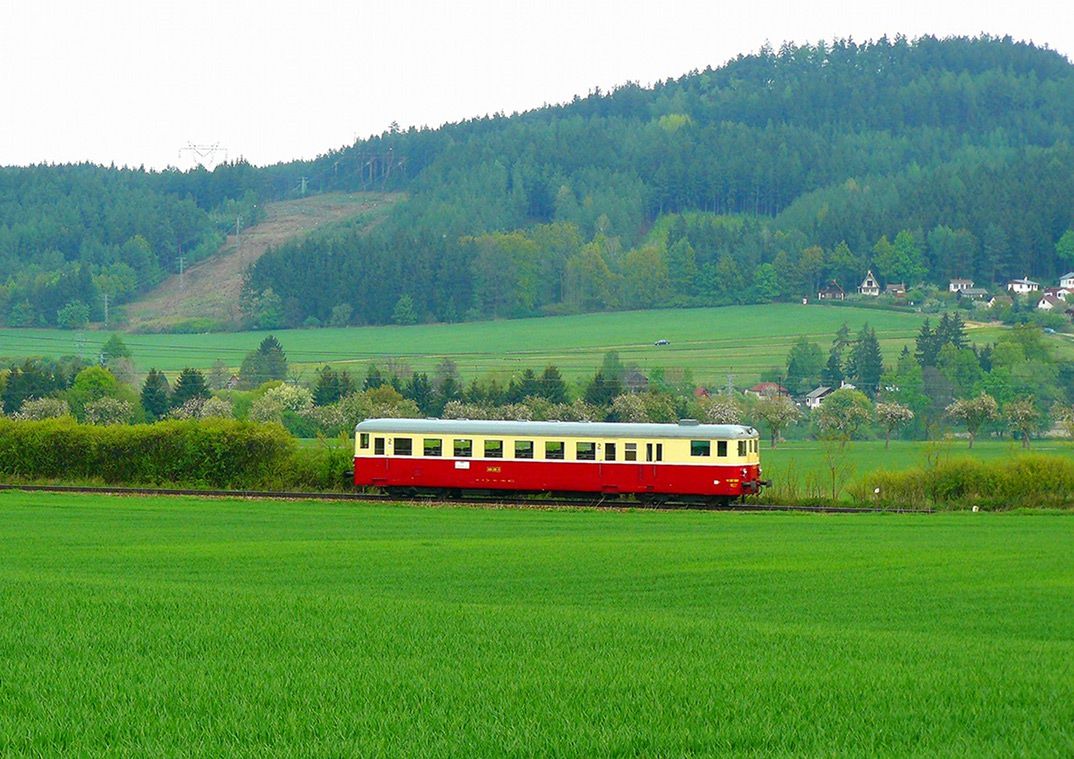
x=212, y=287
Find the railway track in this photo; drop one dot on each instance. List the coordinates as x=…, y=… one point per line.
x=518, y=502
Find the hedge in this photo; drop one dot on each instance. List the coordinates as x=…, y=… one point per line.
x=1022, y=481
x=218, y=453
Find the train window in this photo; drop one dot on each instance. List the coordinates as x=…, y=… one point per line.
x=553, y=449
x=654, y=451
x=630, y=452
x=464, y=448
x=741, y=447
x=721, y=447
x=363, y=440
x=493, y=449
x=609, y=451
x=378, y=446
x=659, y=451
x=404, y=446
x=585, y=451
x=523, y=449
x=433, y=446
x=700, y=447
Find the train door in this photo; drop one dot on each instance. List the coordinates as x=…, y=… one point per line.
x=654, y=452
x=377, y=466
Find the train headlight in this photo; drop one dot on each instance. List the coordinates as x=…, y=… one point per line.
x=744, y=471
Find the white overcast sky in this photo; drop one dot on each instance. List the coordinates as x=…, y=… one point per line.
x=133, y=81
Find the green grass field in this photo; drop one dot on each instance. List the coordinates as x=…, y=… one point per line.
x=180, y=626
x=802, y=460
x=711, y=342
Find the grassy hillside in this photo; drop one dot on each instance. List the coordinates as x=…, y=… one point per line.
x=711, y=342
x=208, y=294
x=154, y=626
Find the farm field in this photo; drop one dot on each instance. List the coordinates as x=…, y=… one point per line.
x=711, y=342
x=165, y=626
x=806, y=458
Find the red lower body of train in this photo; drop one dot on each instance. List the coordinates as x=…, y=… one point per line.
x=620, y=478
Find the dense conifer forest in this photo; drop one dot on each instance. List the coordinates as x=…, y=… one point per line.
x=756, y=181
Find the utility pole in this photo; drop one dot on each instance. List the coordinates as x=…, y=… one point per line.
x=182, y=276
x=302, y=186
x=106, y=309
x=730, y=385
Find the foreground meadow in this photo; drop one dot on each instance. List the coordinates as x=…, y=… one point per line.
x=164, y=626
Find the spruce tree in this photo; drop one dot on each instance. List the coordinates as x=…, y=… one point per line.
x=191, y=384
x=155, y=392
x=552, y=386
x=867, y=361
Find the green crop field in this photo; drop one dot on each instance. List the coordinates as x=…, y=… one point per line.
x=711, y=342
x=222, y=628
x=801, y=459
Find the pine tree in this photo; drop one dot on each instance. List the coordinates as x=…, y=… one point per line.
x=268, y=362
x=867, y=361
x=420, y=390
x=552, y=386
x=833, y=375
x=373, y=378
x=191, y=384
x=155, y=392
x=927, y=348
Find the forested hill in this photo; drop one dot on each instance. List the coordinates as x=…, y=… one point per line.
x=751, y=182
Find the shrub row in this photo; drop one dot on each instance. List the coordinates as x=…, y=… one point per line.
x=1030, y=481
x=217, y=453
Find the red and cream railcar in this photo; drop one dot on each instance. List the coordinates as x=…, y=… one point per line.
x=709, y=461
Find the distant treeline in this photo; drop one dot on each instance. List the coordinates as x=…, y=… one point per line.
x=802, y=160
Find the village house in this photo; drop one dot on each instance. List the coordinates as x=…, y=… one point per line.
x=767, y=390
x=1058, y=292
x=898, y=289
x=973, y=293
x=869, y=285
x=958, y=285
x=1022, y=286
x=832, y=291
x=816, y=396
x=1067, y=280
x=1000, y=300
x=1050, y=302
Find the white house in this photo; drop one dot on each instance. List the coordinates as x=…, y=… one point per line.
x=958, y=285
x=815, y=397
x=1067, y=280
x=1049, y=302
x=1023, y=285
x=869, y=285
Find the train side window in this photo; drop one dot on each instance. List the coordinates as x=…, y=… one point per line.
x=523, y=449
x=585, y=451
x=630, y=452
x=433, y=446
x=741, y=447
x=363, y=440
x=493, y=449
x=700, y=447
x=659, y=451
x=378, y=446
x=404, y=446
x=553, y=449
x=609, y=451
x=464, y=449
x=654, y=452
x=721, y=448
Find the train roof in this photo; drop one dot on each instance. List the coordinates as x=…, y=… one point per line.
x=685, y=429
